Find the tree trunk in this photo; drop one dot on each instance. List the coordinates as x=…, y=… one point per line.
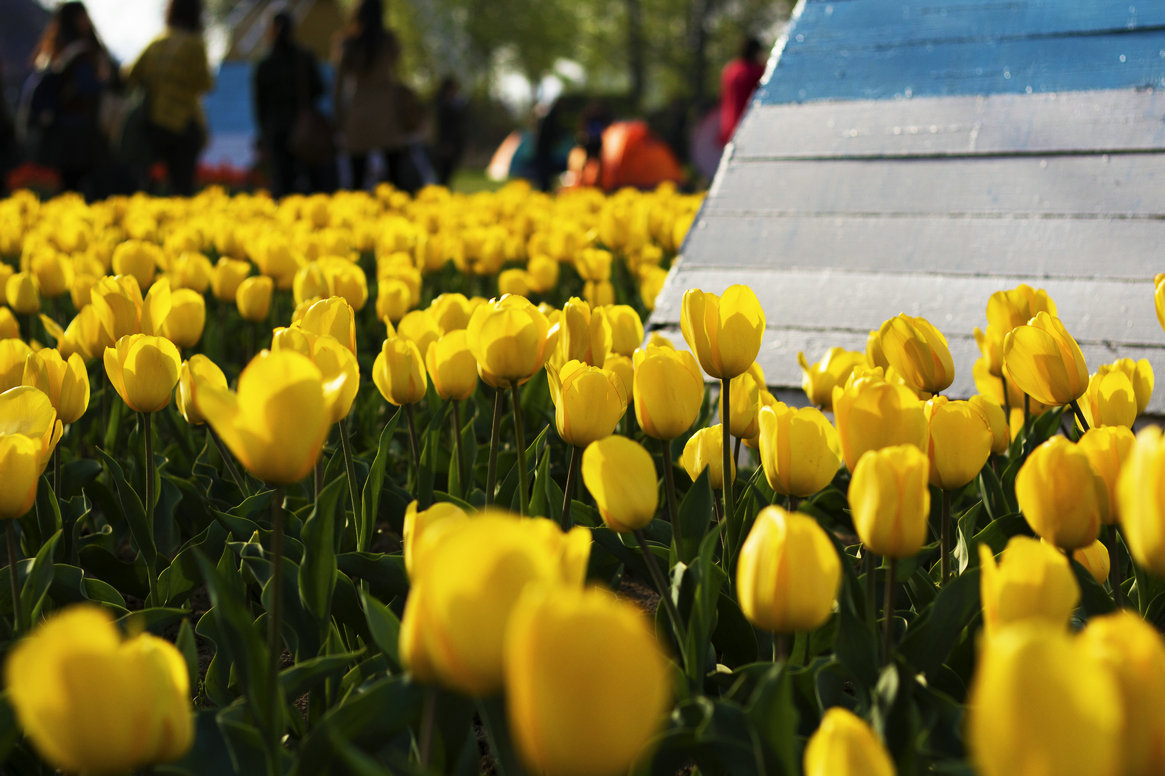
x=636, y=60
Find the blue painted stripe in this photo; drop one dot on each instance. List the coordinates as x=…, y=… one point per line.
x=879, y=49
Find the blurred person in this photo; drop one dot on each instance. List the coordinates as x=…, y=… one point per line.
x=548, y=134
x=175, y=73
x=596, y=117
x=286, y=87
x=63, y=98
x=373, y=107
x=451, y=110
x=738, y=80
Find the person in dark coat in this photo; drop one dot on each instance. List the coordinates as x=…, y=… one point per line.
x=451, y=112
x=285, y=82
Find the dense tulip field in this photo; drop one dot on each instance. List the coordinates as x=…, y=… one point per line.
x=371, y=484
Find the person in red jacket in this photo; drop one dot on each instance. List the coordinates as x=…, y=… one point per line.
x=738, y=80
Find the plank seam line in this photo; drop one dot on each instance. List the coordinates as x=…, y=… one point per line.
x=1156, y=150
x=828, y=271
x=981, y=215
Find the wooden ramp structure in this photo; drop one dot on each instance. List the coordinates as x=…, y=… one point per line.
x=917, y=155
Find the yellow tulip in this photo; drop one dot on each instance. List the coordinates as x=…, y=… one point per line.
x=419, y=327
x=179, y=315
x=77, y=662
x=818, y=379
x=1043, y=360
x=620, y=475
x=253, y=297
x=9, y=328
x=845, y=745
x=53, y=272
x=196, y=372
x=1133, y=651
x=192, y=270
x=1140, y=493
x=28, y=411
x=144, y=370
x=277, y=421
x=960, y=442
x=917, y=351
x=1159, y=297
x=589, y=401
x=1062, y=497
x=83, y=335
x=20, y=468
x=724, y=332
x=118, y=304
x=22, y=293
x=509, y=338
x=668, y=390
x=515, y=281
x=704, y=450
x=1041, y=703
x=460, y=602
x=13, y=354
x=1032, y=581
x=584, y=334
x=332, y=316
x=788, y=573
x=871, y=414
x=451, y=365
x=1095, y=560
x=890, y=500
x=138, y=258
x=1109, y=400
x=333, y=359
x=420, y=528
x=1017, y=306
x=66, y=383
x=227, y=276
x=452, y=310
x=798, y=449
x=399, y=372
x=996, y=421
x=626, y=328
x=543, y=272
x=583, y=667
x=624, y=369
x=1107, y=448
x=744, y=403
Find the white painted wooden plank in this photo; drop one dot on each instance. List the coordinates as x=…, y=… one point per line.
x=1086, y=185
x=1106, y=120
x=1094, y=311
x=778, y=358
x=1126, y=249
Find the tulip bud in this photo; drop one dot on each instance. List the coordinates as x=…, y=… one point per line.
x=399, y=372
x=1133, y=651
x=144, y=370
x=724, y=332
x=13, y=354
x=589, y=401
x=890, y=500
x=583, y=333
x=9, y=328
x=845, y=745
x=254, y=298
x=871, y=414
x=585, y=662
x=744, y=401
x=704, y=450
x=66, y=383
x=798, y=449
x=118, y=303
x=227, y=275
x=451, y=365
x=463, y=593
x=140, y=684
x=1095, y=560
x=1061, y=496
x=195, y=373
x=138, y=258
x=1159, y=297
x=1032, y=581
x=451, y=311
x=420, y=528
x=22, y=293
x=508, y=337
x=996, y=421
x=917, y=351
x=819, y=379
x=1140, y=493
x=1044, y=361
x=668, y=390
x=960, y=442
x=788, y=573
x=626, y=328
x=1109, y=400
x=1040, y=702
x=620, y=475
x=20, y=468
x=1107, y=448
x=53, y=272
x=418, y=326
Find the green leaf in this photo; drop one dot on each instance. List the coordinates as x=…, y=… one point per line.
x=997, y=534
x=155, y=619
x=373, y=485
x=385, y=574
x=385, y=628
x=933, y=634
x=48, y=512
x=1094, y=599
x=317, y=571
x=210, y=753
x=308, y=674
x=774, y=716
x=38, y=575
x=695, y=513
x=991, y=493
x=178, y=580
x=546, y=500
x=133, y=512
x=9, y=729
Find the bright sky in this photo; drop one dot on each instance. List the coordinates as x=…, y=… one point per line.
x=126, y=26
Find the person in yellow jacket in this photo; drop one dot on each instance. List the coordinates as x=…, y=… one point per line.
x=174, y=73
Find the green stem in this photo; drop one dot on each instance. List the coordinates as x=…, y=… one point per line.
x=415, y=449
x=662, y=586
x=669, y=479
x=871, y=587
x=491, y=474
x=57, y=471
x=1079, y=414
x=350, y=469
x=148, y=433
x=1027, y=409
x=568, y=491
x=13, y=574
x=428, y=720
x=888, y=611
x=1006, y=400
x=228, y=462
x=725, y=414
x=780, y=647
x=274, y=625
x=1115, y=570
x=945, y=538
x=523, y=476
x=458, y=447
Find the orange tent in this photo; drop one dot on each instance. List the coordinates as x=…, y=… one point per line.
x=632, y=156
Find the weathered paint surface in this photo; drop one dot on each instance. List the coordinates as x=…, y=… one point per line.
x=895, y=161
